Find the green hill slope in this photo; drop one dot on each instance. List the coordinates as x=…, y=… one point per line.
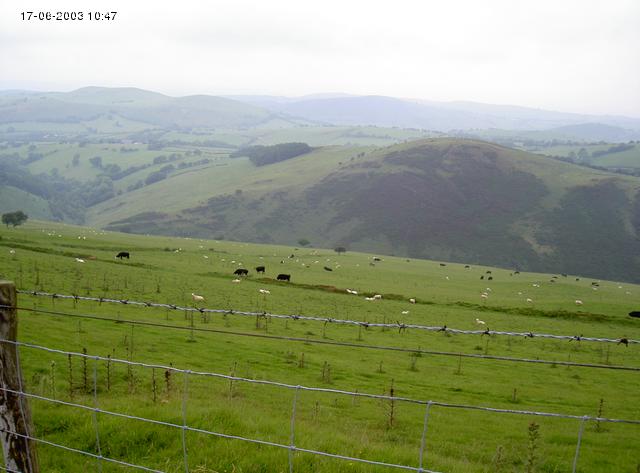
x=456, y=200
x=475, y=370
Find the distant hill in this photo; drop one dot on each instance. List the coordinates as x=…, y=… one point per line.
x=447, y=199
x=153, y=109
x=597, y=132
x=439, y=116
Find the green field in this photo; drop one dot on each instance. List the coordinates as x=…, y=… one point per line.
x=168, y=270
x=627, y=159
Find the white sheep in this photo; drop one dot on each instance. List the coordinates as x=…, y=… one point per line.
x=197, y=298
x=578, y=302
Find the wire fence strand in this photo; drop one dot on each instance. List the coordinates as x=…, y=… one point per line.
x=398, y=325
x=334, y=342
x=316, y=389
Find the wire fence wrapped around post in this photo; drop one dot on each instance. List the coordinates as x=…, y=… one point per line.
x=18, y=448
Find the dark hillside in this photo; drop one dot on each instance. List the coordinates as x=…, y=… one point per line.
x=446, y=199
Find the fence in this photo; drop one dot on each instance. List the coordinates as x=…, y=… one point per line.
x=414, y=351
x=398, y=325
x=19, y=444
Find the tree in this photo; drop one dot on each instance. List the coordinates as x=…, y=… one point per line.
x=583, y=153
x=340, y=249
x=14, y=218
x=303, y=242
x=96, y=162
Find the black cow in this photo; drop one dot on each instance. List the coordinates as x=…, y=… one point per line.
x=482, y=277
x=260, y=269
x=490, y=278
x=442, y=264
x=488, y=272
x=241, y=272
x=635, y=313
x=326, y=268
x=466, y=266
x=123, y=254
x=375, y=258
x=284, y=277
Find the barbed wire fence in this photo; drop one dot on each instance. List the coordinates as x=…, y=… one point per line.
x=17, y=392
x=398, y=325
x=307, y=340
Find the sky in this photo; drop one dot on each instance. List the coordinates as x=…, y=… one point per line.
x=567, y=55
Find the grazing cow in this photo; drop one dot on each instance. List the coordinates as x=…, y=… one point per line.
x=516, y=272
x=260, y=269
x=490, y=278
x=375, y=258
x=482, y=277
x=634, y=313
x=466, y=266
x=326, y=268
x=241, y=272
x=284, y=277
x=123, y=254
x=442, y=264
x=488, y=272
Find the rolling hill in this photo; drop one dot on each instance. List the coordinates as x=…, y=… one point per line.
x=448, y=199
x=440, y=116
x=131, y=104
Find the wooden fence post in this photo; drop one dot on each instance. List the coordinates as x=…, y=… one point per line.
x=15, y=418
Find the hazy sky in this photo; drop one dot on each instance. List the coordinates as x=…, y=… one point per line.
x=569, y=55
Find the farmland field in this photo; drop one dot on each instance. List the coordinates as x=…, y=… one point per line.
x=43, y=256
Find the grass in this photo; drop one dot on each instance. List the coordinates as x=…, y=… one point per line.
x=458, y=441
x=624, y=159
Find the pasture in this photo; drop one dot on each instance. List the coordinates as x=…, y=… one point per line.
x=43, y=256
